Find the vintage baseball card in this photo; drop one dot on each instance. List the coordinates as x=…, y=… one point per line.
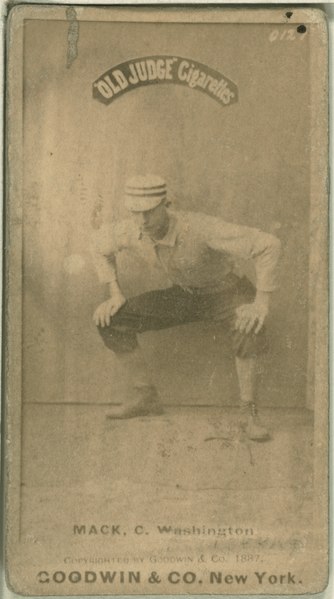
x=166, y=301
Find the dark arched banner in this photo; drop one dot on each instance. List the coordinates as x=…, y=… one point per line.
x=153, y=70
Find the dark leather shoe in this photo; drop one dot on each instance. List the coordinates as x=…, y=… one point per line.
x=145, y=402
x=255, y=431
x=123, y=412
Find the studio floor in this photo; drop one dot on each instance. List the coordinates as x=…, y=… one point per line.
x=187, y=466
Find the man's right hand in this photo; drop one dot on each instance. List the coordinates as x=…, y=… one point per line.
x=107, y=309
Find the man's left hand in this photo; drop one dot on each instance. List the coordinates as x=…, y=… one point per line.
x=250, y=316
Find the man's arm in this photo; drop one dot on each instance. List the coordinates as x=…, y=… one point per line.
x=107, y=309
x=253, y=315
x=266, y=250
x=250, y=244
x=104, y=249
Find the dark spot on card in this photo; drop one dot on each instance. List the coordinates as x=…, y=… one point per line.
x=301, y=29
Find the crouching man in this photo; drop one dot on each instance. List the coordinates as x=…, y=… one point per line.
x=196, y=251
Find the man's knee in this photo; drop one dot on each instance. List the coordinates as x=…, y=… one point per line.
x=250, y=345
x=119, y=339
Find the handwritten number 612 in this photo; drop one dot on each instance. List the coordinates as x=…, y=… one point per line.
x=288, y=35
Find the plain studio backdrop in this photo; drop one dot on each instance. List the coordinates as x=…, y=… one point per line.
x=248, y=163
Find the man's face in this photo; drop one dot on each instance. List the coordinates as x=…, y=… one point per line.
x=154, y=221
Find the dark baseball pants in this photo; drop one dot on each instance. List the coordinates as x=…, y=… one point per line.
x=174, y=306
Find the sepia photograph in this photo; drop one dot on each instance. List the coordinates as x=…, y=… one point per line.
x=166, y=301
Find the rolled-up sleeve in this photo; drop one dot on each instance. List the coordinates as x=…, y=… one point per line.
x=249, y=244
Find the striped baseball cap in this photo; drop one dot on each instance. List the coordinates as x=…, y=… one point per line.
x=145, y=192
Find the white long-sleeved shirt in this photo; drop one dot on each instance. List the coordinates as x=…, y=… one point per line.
x=196, y=252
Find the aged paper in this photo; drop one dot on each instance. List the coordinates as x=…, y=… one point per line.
x=166, y=301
